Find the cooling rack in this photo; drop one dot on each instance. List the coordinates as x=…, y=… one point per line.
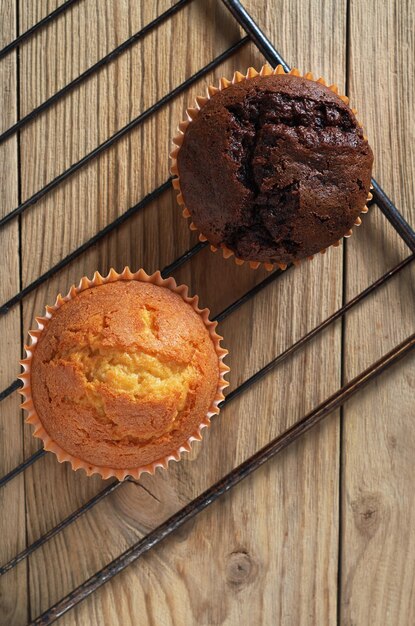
x=255, y=35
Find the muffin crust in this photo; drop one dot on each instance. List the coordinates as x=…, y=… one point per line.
x=123, y=374
x=276, y=168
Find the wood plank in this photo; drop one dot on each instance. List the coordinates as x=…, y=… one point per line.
x=13, y=587
x=280, y=527
x=58, y=144
x=188, y=589
x=378, y=507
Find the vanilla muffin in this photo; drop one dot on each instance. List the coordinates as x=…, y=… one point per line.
x=124, y=373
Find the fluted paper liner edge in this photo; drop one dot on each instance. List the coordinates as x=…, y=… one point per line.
x=192, y=113
x=42, y=322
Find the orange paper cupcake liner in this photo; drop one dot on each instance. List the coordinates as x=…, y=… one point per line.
x=32, y=417
x=193, y=112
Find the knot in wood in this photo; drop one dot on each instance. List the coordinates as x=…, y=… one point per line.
x=240, y=569
x=368, y=512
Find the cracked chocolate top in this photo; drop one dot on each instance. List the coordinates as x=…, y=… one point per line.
x=276, y=168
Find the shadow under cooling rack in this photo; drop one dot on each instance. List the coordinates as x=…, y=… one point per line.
x=256, y=36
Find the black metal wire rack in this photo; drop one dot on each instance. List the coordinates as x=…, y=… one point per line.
x=255, y=35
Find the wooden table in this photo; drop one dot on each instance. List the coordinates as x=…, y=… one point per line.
x=324, y=533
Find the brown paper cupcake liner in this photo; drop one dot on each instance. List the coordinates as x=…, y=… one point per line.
x=32, y=417
x=193, y=112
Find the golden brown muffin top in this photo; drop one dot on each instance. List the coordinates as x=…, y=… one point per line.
x=123, y=374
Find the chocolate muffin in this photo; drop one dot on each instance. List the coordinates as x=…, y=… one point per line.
x=123, y=374
x=274, y=168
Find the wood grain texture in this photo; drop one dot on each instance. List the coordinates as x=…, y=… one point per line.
x=268, y=553
x=378, y=460
x=13, y=589
x=111, y=184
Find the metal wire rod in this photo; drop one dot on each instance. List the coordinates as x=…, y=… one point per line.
x=224, y=485
x=36, y=27
x=236, y=392
x=275, y=446
x=16, y=384
x=22, y=466
x=393, y=215
x=274, y=58
x=250, y=294
x=122, y=132
x=150, y=197
x=91, y=70
x=56, y=529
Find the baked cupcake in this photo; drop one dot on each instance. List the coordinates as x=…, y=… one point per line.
x=122, y=374
x=272, y=167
